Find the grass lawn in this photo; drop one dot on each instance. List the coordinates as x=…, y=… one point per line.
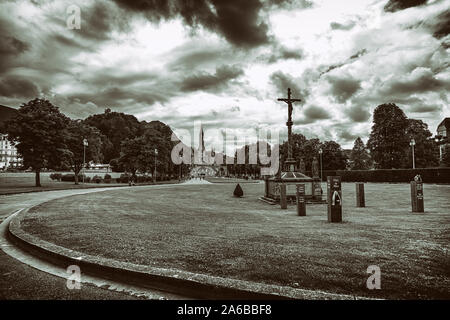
x=202, y=228
x=11, y=183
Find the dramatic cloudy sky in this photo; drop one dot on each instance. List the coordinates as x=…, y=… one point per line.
x=225, y=62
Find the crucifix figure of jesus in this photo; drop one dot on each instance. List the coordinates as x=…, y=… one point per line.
x=289, y=124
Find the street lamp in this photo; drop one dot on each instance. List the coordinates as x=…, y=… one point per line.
x=154, y=174
x=320, y=154
x=412, y=144
x=85, y=144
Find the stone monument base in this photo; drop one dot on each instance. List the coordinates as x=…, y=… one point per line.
x=313, y=189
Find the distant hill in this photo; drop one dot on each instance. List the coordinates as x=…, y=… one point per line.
x=6, y=113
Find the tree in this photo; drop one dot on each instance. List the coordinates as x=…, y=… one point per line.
x=37, y=131
x=360, y=158
x=333, y=157
x=116, y=127
x=76, y=156
x=446, y=156
x=426, y=151
x=388, y=138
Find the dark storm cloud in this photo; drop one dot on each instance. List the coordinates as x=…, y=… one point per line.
x=441, y=25
x=346, y=135
x=118, y=97
x=17, y=87
x=291, y=4
x=353, y=57
x=358, y=113
x=11, y=43
x=282, y=53
x=421, y=80
x=238, y=21
x=343, y=88
x=396, y=5
x=424, y=108
x=339, y=26
x=211, y=82
x=188, y=58
x=283, y=81
x=313, y=113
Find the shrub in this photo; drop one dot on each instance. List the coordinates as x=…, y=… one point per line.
x=97, y=179
x=429, y=175
x=68, y=177
x=141, y=179
x=124, y=178
x=56, y=176
x=107, y=177
x=238, y=192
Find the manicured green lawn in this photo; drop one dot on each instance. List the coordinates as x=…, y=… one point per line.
x=202, y=228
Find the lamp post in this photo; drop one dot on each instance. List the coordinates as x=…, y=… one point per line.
x=412, y=144
x=320, y=155
x=154, y=174
x=85, y=144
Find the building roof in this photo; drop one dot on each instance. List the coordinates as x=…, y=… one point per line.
x=6, y=113
x=446, y=123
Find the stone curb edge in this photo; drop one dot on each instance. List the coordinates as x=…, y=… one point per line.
x=197, y=286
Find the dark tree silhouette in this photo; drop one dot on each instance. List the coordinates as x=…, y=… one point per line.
x=388, y=139
x=38, y=133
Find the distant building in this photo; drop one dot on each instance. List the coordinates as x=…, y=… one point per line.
x=443, y=132
x=8, y=152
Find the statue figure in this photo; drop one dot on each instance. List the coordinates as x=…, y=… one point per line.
x=302, y=166
x=315, y=168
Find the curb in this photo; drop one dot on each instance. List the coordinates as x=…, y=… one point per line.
x=197, y=286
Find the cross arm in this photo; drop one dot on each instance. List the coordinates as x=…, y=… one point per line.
x=289, y=100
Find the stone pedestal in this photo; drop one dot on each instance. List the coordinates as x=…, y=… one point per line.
x=313, y=192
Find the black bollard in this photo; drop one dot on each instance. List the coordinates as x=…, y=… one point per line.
x=283, y=200
x=417, y=196
x=301, y=205
x=334, y=198
x=360, y=199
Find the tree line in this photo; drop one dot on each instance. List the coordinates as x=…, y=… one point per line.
x=47, y=139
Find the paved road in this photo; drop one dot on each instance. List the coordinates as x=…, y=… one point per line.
x=20, y=281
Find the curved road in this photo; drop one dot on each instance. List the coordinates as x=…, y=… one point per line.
x=25, y=279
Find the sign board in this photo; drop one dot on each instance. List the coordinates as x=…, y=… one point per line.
x=334, y=198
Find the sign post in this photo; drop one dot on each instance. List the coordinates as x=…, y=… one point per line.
x=417, y=196
x=334, y=199
x=301, y=206
x=360, y=199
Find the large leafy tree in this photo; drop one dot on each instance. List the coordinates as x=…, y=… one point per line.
x=138, y=154
x=426, y=151
x=333, y=157
x=359, y=158
x=77, y=154
x=38, y=133
x=446, y=156
x=116, y=127
x=388, y=139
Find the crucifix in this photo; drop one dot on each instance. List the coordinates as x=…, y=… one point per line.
x=290, y=162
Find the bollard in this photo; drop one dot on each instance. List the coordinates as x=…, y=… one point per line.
x=283, y=200
x=301, y=205
x=360, y=199
x=334, y=199
x=417, y=196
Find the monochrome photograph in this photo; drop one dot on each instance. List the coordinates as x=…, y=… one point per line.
x=219, y=157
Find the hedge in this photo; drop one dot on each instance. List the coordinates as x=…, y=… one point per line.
x=429, y=175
